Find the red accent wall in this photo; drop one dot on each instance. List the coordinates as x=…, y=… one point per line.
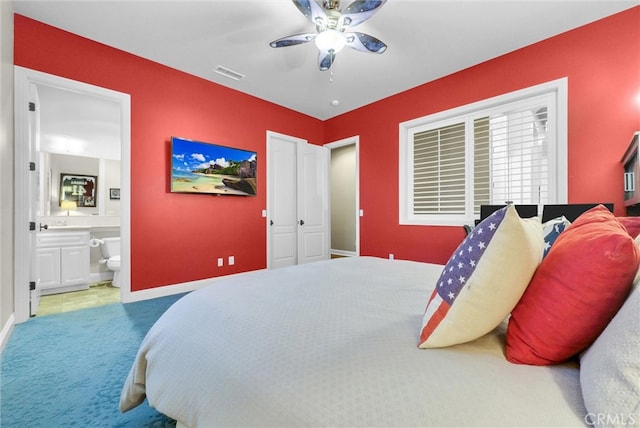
x=177, y=238
x=174, y=237
x=602, y=63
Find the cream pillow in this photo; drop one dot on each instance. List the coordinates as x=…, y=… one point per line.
x=483, y=280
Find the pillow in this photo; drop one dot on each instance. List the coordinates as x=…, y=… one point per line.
x=483, y=280
x=632, y=224
x=575, y=291
x=551, y=230
x=636, y=280
x=610, y=369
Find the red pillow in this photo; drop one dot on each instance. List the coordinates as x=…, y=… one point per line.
x=632, y=224
x=575, y=292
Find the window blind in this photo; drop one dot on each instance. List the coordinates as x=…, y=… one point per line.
x=510, y=148
x=511, y=158
x=439, y=170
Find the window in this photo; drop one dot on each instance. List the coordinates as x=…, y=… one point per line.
x=511, y=148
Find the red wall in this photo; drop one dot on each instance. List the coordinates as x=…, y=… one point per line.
x=177, y=238
x=602, y=63
x=174, y=237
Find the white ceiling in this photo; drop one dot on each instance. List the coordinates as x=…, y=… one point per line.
x=427, y=39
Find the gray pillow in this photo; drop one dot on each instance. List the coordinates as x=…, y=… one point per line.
x=610, y=370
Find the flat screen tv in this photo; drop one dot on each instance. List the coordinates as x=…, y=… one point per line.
x=198, y=167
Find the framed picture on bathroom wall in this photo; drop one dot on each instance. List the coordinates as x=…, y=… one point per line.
x=78, y=188
x=114, y=193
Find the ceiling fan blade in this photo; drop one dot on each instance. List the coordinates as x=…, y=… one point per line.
x=359, y=11
x=313, y=11
x=365, y=43
x=326, y=60
x=296, y=39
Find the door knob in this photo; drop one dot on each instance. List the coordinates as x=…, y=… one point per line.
x=270, y=222
x=44, y=226
x=301, y=222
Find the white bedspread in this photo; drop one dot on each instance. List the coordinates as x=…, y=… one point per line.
x=334, y=343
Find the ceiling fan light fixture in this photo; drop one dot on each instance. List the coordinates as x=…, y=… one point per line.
x=330, y=40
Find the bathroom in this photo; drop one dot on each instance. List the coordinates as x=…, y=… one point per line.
x=78, y=207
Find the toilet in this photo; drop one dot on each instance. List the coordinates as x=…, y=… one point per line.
x=110, y=248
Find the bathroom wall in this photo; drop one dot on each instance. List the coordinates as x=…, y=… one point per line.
x=79, y=133
x=107, y=171
x=111, y=180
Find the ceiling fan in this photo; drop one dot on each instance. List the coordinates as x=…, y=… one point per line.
x=332, y=25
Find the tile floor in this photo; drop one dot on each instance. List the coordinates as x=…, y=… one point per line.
x=98, y=294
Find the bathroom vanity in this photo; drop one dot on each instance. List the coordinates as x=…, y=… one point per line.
x=63, y=260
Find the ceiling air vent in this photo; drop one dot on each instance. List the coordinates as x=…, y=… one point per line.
x=228, y=73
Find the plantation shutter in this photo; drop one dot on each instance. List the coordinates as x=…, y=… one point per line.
x=481, y=164
x=508, y=149
x=512, y=163
x=439, y=170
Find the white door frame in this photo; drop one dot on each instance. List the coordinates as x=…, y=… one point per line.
x=24, y=78
x=355, y=140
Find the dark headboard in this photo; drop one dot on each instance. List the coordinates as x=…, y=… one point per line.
x=524, y=211
x=570, y=211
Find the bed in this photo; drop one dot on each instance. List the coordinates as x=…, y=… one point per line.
x=334, y=343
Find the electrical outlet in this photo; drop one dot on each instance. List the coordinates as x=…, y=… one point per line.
x=220, y=262
x=232, y=260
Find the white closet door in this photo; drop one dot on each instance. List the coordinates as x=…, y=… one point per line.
x=297, y=201
x=281, y=201
x=313, y=203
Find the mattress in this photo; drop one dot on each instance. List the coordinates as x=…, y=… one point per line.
x=334, y=343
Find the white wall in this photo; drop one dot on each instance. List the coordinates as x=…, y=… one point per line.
x=6, y=165
x=343, y=198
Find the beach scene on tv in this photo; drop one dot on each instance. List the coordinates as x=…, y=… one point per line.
x=198, y=167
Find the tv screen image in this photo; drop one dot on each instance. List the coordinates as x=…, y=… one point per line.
x=198, y=167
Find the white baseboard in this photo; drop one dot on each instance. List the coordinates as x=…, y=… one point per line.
x=5, y=333
x=344, y=253
x=100, y=277
x=169, y=290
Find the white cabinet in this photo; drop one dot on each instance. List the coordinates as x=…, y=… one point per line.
x=63, y=261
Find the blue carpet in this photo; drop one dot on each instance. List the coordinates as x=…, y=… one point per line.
x=67, y=370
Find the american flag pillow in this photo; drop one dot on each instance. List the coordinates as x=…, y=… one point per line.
x=483, y=280
x=551, y=230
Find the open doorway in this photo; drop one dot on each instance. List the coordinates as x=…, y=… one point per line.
x=345, y=211
x=75, y=140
